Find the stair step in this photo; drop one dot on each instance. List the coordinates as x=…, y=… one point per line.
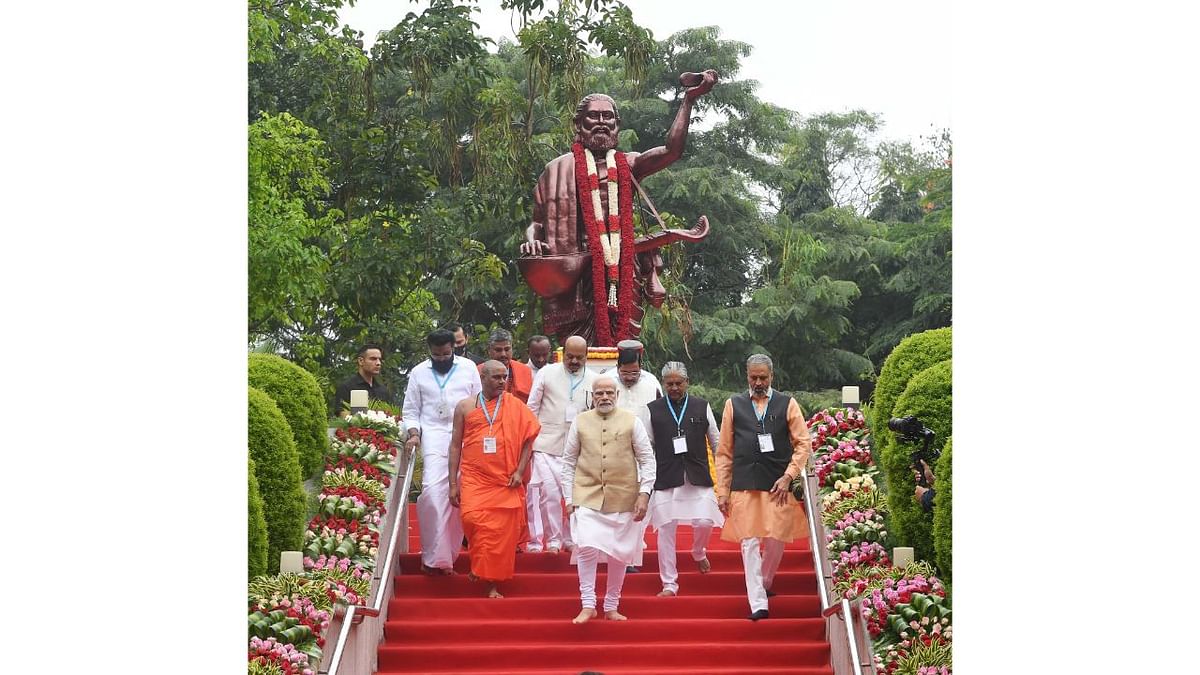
x=585, y=654
x=427, y=631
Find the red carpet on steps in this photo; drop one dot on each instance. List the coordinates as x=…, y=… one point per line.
x=444, y=625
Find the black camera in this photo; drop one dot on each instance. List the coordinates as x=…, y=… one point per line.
x=911, y=430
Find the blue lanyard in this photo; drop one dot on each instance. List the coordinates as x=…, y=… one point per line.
x=574, y=384
x=496, y=413
x=679, y=417
x=441, y=383
x=763, y=416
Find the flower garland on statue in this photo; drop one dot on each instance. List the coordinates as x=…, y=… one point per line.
x=612, y=270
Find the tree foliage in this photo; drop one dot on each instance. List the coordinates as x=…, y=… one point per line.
x=390, y=190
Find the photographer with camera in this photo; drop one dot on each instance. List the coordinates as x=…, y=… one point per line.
x=911, y=430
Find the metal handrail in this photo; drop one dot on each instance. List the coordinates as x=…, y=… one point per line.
x=828, y=608
x=809, y=507
x=373, y=608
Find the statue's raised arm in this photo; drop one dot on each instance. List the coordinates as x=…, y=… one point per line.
x=579, y=252
x=656, y=159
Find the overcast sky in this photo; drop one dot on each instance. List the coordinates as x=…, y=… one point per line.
x=811, y=56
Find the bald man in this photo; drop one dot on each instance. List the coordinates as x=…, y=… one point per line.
x=560, y=392
x=607, y=450
x=489, y=450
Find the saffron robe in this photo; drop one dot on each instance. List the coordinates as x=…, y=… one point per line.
x=493, y=514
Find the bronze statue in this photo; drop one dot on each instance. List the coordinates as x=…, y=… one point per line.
x=580, y=254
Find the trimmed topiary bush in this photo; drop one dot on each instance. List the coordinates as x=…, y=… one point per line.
x=928, y=396
x=914, y=354
x=943, y=537
x=277, y=469
x=299, y=397
x=256, y=528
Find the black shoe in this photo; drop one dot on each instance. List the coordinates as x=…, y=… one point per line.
x=760, y=614
x=630, y=569
x=770, y=593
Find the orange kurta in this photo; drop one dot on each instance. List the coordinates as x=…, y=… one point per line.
x=494, y=514
x=752, y=513
x=520, y=380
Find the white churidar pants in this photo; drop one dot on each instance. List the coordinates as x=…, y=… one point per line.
x=588, y=558
x=760, y=568
x=668, y=566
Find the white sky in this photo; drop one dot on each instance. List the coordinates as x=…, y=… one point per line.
x=811, y=56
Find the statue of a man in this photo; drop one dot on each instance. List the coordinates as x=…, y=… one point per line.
x=584, y=202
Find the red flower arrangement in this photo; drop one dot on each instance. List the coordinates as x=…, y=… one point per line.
x=365, y=468
x=380, y=441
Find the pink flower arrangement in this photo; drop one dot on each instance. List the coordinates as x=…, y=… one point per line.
x=881, y=601
x=849, y=450
x=284, y=657
x=867, y=554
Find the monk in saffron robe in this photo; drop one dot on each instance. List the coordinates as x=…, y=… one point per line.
x=489, y=452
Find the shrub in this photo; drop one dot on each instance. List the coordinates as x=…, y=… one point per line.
x=256, y=547
x=299, y=397
x=914, y=354
x=943, y=538
x=277, y=469
x=928, y=396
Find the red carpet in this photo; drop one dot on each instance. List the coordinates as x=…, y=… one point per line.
x=444, y=625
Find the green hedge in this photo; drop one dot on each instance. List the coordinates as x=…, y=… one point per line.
x=256, y=528
x=277, y=468
x=914, y=354
x=928, y=396
x=943, y=536
x=299, y=397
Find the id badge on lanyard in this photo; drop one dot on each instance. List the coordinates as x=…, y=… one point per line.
x=489, y=445
x=571, y=411
x=680, y=443
x=766, y=443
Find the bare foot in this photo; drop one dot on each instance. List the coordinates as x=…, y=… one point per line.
x=666, y=594
x=493, y=593
x=471, y=576
x=704, y=566
x=614, y=615
x=446, y=571
x=584, y=616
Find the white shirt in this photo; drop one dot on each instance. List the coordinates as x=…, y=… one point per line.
x=430, y=407
x=635, y=398
x=642, y=450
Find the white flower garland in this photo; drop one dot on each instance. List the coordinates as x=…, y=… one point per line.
x=610, y=238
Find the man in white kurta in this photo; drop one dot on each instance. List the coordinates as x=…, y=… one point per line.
x=608, y=474
x=683, y=430
x=434, y=387
x=636, y=388
x=560, y=392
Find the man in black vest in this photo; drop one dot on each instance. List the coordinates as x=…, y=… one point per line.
x=684, y=432
x=764, y=444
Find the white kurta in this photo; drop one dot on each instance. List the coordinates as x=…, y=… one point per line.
x=635, y=398
x=616, y=534
x=430, y=409
x=687, y=502
x=555, y=405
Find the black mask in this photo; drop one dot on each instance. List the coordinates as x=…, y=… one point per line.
x=460, y=351
x=443, y=367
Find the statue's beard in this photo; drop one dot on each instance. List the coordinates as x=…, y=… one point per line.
x=598, y=142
